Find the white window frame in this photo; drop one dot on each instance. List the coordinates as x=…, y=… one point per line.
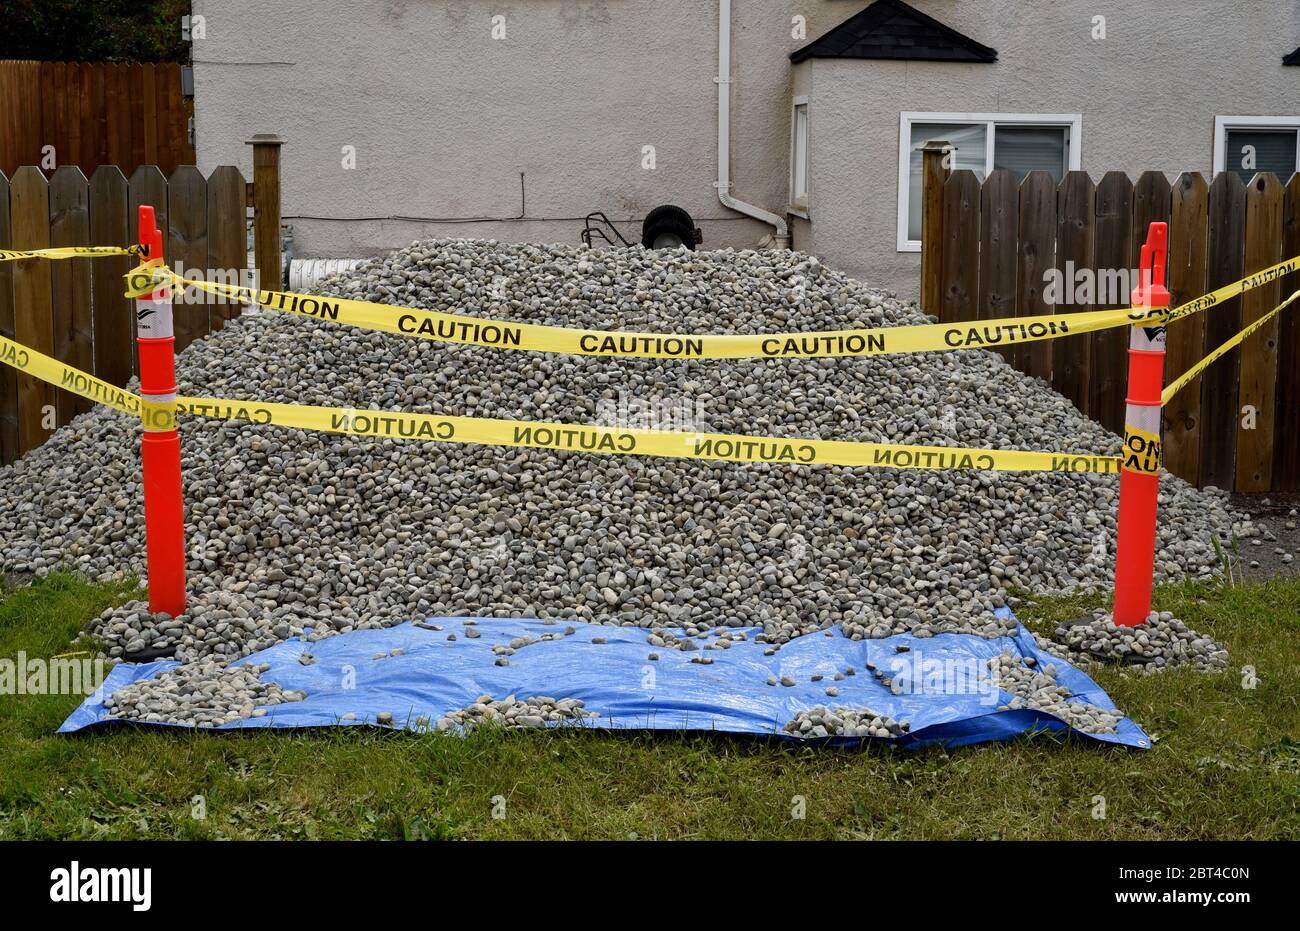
x=1224, y=123
x=799, y=206
x=1074, y=148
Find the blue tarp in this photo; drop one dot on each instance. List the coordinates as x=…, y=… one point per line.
x=942, y=698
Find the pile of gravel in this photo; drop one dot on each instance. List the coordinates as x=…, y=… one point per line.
x=202, y=694
x=512, y=712
x=1163, y=642
x=289, y=529
x=1036, y=689
x=821, y=721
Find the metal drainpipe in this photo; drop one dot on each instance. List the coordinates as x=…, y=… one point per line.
x=723, y=183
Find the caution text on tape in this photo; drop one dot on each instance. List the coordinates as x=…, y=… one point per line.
x=1142, y=451
x=1227, y=346
x=67, y=252
x=445, y=327
x=54, y=372
x=635, y=442
x=547, y=435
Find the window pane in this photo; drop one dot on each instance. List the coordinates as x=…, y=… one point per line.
x=1022, y=149
x=970, y=141
x=1252, y=150
x=801, y=152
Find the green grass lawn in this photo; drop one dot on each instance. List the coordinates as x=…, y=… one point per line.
x=1226, y=763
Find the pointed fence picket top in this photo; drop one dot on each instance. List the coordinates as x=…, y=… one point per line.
x=29, y=211
x=1113, y=246
x=70, y=282
x=147, y=187
x=227, y=239
x=187, y=248
x=74, y=309
x=999, y=228
x=1075, y=245
x=1035, y=258
x=114, y=321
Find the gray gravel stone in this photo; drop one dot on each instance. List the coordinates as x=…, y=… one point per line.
x=1163, y=642
x=1037, y=689
x=821, y=721
x=207, y=693
x=511, y=712
x=290, y=529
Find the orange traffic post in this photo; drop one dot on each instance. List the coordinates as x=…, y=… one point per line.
x=164, y=513
x=1139, y=480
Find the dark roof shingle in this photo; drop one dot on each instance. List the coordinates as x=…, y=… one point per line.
x=1292, y=59
x=893, y=30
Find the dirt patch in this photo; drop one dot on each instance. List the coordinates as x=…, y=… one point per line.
x=12, y=580
x=1276, y=551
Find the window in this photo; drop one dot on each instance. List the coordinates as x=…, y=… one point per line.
x=983, y=142
x=1249, y=144
x=799, y=155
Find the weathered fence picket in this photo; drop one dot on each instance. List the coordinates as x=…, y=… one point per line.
x=1075, y=247
x=1225, y=264
x=1035, y=257
x=1234, y=426
x=1257, y=383
x=1186, y=341
x=74, y=309
x=8, y=377
x=999, y=232
x=1286, y=455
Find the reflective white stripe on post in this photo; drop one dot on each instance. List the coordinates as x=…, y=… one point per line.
x=153, y=318
x=1145, y=417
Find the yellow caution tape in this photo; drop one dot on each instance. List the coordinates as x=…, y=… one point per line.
x=146, y=278
x=546, y=435
x=1228, y=291
x=1182, y=380
x=476, y=331
x=68, y=252
x=37, y=365
x=1142, y=451
x=618, y=441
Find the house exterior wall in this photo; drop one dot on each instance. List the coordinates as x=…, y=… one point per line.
x=444, y=118
x=1148, y=94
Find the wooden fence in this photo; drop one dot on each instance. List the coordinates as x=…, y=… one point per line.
x=73, y=309
x=93, y=114
x=990, y=250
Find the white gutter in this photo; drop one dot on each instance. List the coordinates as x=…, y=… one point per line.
x=724, y=134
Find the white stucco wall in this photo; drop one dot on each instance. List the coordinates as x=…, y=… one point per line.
x=444, y=118
x=1148, y=94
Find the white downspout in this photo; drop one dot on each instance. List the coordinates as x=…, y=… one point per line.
x=724, y=134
